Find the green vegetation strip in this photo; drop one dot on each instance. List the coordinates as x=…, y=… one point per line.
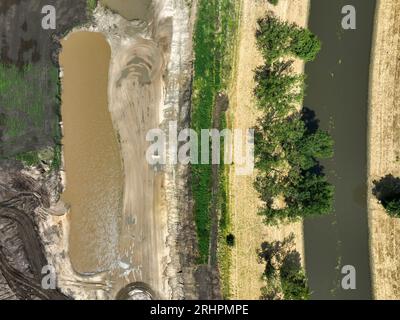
x=214, y=37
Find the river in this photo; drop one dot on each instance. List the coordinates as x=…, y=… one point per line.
x=93, y=165
x=338, y=92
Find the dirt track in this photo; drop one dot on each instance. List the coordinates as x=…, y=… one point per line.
x=24, y=285
x=384, y=146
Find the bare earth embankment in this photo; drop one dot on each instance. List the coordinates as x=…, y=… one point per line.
x=384, y=147
x=247, y=226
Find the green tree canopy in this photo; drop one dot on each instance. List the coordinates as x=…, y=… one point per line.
x=387, y=191
x=277, y=39
x=277, y=90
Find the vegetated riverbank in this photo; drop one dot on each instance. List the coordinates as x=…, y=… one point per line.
x=247, y=225
x=289, y=146
x=384, y=146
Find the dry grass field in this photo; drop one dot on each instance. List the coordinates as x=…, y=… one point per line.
x=384, y=147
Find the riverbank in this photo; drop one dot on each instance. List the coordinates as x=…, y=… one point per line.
x=247, y=225
x=384, y=146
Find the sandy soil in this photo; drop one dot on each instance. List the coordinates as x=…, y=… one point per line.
x=134, y=106
x=384, y=147
x=247, y=225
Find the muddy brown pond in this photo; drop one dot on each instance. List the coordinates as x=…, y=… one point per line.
x=93, y=165
x=131, y=9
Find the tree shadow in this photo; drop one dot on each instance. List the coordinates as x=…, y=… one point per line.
x=318, y=170
x=279, y=254
x=387, y=189
x=308, y=116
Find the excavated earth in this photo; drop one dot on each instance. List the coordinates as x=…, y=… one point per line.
x=23, y=42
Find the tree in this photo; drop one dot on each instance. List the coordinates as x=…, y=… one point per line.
x=305, y=44
x=275, y=141
x=313, y=195
x=277, y=90
x=305, y=153
x=268, y=188
x=305, y=194
x=318, y=145
x=277, y=39
x=273, y=38
x=230, y=240
x=294, y=285
x=387, y=191
x=286, y=155
x=393, y=208
x=288, y=143
x=284, y=275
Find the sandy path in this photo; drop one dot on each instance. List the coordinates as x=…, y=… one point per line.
x=247, y=225
x=384, y=147
x=135, y=96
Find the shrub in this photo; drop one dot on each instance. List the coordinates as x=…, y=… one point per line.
x=387, y=191
x=230, y=240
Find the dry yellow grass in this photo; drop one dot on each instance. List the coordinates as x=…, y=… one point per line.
x=247, y=225
x=384, y=147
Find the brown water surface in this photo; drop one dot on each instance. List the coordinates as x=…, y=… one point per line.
x=131, y=9
x=92, y=159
